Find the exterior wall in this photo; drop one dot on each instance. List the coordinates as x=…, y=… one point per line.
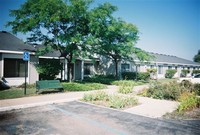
x=1, y=65
x=33, y=74
x=106, y=66
x=77, y=70
x=14, y=80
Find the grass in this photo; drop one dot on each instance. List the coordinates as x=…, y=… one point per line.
x=17, y=92
x=127, y=83
x=81, y=86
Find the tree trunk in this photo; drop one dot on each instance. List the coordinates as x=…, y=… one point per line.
x=69, y=71
x=116, y=68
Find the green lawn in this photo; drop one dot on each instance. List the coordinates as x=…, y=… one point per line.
x=17, y=92
x=81, y=86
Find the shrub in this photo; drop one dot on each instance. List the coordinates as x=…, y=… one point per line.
x=170, y=73
x=129, y=75
x=196, y=88
x=143, y=76
x=152, y=72
x=169, y=91
x=100, y=79
x=117, y=101
x=195, y=71
x=125, y=89
x=187, y=85
x=127, y=83
x=100, y=95
x=188, y=102
x=184, y=72
x=48, y=68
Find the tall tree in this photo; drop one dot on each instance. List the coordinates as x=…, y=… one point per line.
x=63, y=25
x=117, y=41
x=197, y=57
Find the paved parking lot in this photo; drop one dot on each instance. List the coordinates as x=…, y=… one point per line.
x=77, y=118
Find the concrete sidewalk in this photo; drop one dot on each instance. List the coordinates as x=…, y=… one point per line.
x=148, y=107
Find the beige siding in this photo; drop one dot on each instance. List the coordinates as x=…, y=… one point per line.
x=33, y=74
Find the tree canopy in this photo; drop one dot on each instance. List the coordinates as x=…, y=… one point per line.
x=76, y=30
x=197, y=57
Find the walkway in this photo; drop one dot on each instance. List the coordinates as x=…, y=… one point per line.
x=148, y=107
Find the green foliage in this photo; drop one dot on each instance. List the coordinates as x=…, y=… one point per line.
x=170, y=73
x=16, y=93
x=48, y=68
x=152, y=70
x=170, y=91
x=113, y=101
x=184, y=72
x=136, y=75
x=197, y=88
x=100, y=95
x=127, y=83
x=125, y=87
x=195, y=71
x=143, y=76
x=66, y=26
x=197, y=57
x=129, y=75
x=188, y=102
x=117, y=101
x=104, y=79
x=82, y=86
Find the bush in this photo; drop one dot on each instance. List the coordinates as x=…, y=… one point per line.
x=188, y=102
x=143, y=76
x=129, y=75
x=184, y=72
x=195, y=71
x=170, y=73
x=127, y=83
x=48, y=68
x=170, y=91
x=100, y=79
x=82, y=86
x=117, y=101
x=196, y=88
x=125, y=89
x=100, y=95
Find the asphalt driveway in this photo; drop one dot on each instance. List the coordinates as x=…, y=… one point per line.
x=77, y=118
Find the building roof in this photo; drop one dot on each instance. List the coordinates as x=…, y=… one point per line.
x=169, y=59
x=9, y=42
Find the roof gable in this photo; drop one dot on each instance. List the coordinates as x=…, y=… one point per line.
x=10, y=42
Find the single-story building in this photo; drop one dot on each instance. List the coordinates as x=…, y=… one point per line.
x=12, y=66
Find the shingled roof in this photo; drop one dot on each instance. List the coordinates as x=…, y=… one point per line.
x=9, y=42
x=169, y=59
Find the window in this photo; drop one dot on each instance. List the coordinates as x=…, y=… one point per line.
x=160, y=69
x=125, y=67
x=138, y=68
x=169, y=67
x=151, y=66
x=14, y=68
x=88, y=68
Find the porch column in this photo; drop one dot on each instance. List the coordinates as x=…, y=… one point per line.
x=65, y=70
x=82, y=70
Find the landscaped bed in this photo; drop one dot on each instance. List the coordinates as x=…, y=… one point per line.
x=186, y=93
x=117, y=101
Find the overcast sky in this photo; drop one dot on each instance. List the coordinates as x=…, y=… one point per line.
x=166, y=26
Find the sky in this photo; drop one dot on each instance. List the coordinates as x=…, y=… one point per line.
x=170, y=27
